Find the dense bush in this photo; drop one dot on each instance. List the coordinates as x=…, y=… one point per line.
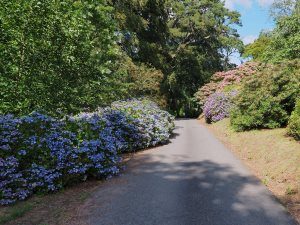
x=57, y=55
x=39, y=153
x=267, y=99
x=218, y=106
x=155, y=124
x=294, y=122
x=221, y=80
x=143, y=80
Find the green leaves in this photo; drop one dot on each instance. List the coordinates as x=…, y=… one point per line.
x=201, y=40
x=51, y=50
x=267, y=99
x=74, y=55
x=283, y=43
x=294, y=121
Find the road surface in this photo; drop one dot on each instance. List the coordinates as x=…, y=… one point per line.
x=194, y=180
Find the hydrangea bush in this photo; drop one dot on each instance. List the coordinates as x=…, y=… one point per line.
x=218, y=106
x=39, y=153
x=154, y=125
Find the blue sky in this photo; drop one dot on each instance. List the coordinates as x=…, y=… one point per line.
x=254, y=16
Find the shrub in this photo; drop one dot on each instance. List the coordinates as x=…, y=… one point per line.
x=46, y=156
x=267, y=99
x=155, y=124
x=294, y=122
x=39, y=153
x=220, y=80
x=218, y=106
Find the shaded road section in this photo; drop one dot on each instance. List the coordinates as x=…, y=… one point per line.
x=194, y=180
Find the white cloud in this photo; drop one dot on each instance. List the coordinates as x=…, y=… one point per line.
x=230, y=4
x=265, y=3
x=249, y=39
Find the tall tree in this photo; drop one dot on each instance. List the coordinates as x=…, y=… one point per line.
x=201, y=40
x=257, y=49
x=285, y=40
x=188, y=40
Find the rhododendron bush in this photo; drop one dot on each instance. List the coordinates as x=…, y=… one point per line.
x=220, y=80
x=294, y=122
x=39, y=153
x=267, y=99
x=218, y=106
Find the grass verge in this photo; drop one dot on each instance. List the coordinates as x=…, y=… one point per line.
x=54, y=209
x=15, y=212
x=271, y=155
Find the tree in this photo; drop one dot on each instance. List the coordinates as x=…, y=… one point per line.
x=283, y=43
x=285, y=40
x=56, y=55
x=142, y=37
x=187, y=40
x=142, y=29
x=201, y=40
x=282, y=8
x=257, y=49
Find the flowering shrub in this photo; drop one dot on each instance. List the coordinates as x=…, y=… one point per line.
x=294, y=122
x=267, y=99
x=218, y=106
x=154, y=125
x=220, y=80
x=39, y=153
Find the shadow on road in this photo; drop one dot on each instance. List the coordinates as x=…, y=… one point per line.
x=185, y=193
x=190, y=192
x=171, y=188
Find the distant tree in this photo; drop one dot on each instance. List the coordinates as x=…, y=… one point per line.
x=257, y=49
x=282, y=43
x=285, y=39
x=282, y=8
x=201, y=41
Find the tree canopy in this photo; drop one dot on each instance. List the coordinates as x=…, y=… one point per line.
x=74, y=55
x=187, y=40
x=282, y=43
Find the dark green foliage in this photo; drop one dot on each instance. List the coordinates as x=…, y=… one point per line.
x=294, y=122
x=71, y=56
x=267, y=99
x=56, y=55
x=143, y=31
x=186, y=40
x=201, y=40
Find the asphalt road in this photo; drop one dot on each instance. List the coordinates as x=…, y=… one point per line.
x=194, y=180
